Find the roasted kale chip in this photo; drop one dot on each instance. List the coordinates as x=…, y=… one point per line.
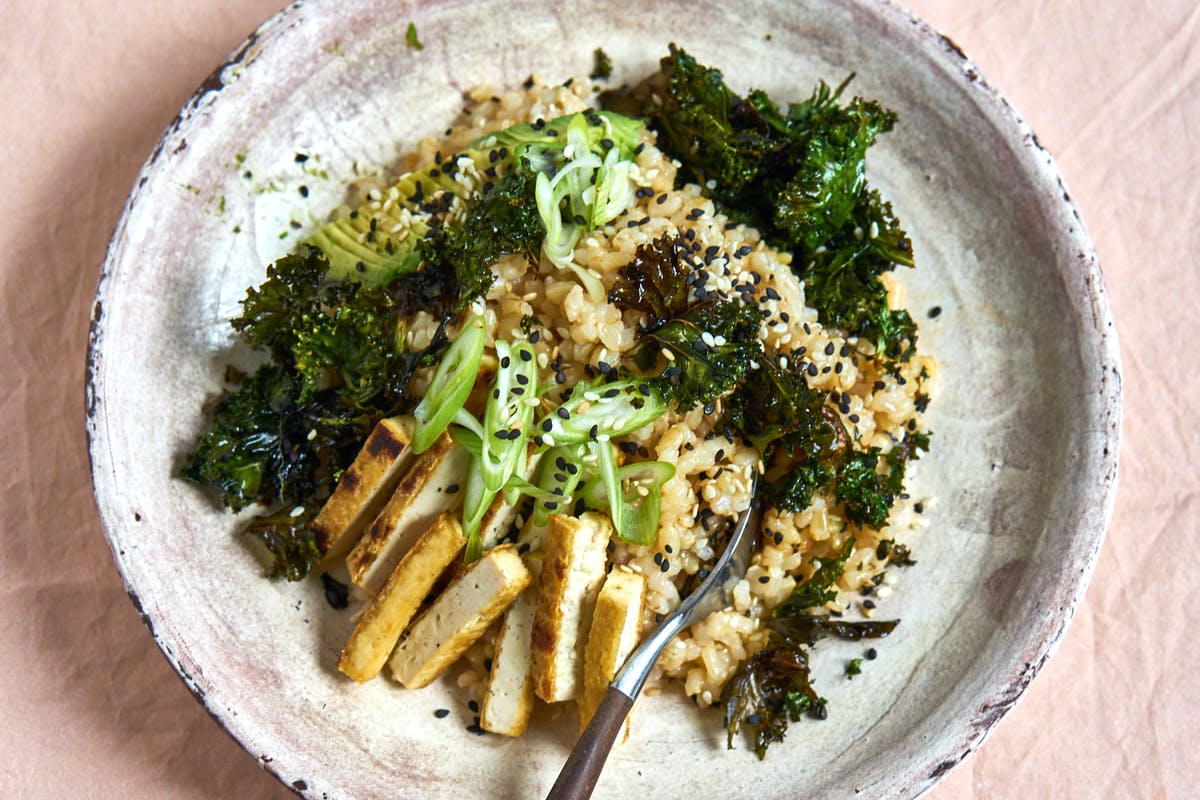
x=503, y=221
x=328, y=332
x=796, y=175
x=268, y=445
x=711, y=342
x=290, y=541
x=842, y=281
x=773, y=687
x=799, y=436
x=601, y=65
x=867, y=492
x=655, y=282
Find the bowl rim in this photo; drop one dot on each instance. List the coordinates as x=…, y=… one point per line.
x=1093, y=306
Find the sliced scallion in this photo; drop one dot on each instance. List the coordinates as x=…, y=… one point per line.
x=603, y=412
x=507, y=418
x=450, y=386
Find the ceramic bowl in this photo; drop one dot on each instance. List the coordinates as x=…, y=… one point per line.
x=1026, y=418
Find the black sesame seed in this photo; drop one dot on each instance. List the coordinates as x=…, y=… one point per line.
x=871, y=654
x=547, y=425
x=473, y=705
x=452, y=488
x=304, y=192
x=764, y=578
x=868, y=604
x=665, y=566
x=442, y=713
x=820, y=712
x=919, y=507
x=935, y=312
x=523, y=380
x=592, y=431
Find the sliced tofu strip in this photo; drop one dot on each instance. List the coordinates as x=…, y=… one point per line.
x=498, y=519
x=459, y=616
x=430, y=487
x=508, y=701
x=393, y=608
x=568, y=582
x=615, y=633
x=364, y=488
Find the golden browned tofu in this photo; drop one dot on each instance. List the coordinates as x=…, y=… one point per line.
x=508, y=701
x=459, y=616
x=430, y=487
x=568, y=582
x=393, y=608
x=614, y=635
x=364, y=488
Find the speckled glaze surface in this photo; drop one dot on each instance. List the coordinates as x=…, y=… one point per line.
x=1026, y=417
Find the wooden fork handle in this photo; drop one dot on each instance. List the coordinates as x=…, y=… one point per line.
x=582, y=770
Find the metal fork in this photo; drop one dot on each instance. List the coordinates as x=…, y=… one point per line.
x=579, y=775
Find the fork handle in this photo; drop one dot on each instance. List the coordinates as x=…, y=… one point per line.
x=582, y=770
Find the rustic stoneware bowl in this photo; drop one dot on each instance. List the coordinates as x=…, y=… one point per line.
x=1023, y=467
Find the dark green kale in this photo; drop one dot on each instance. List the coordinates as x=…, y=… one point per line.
x=503, y=221
x=821, y=588
x=773, y=688
x=843, y=281
x=865, y=490
x=290, y=541
x=327, y=332
x=266, y=445
x=798, y=176
x=711, y=341
x=242, y=454
x=285, y=437
x=655, y=282
x=601, y=65
x=800, y=437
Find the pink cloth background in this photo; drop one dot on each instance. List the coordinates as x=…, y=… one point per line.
x=91, y=709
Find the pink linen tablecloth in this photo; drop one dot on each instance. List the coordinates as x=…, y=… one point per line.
x=91, y=709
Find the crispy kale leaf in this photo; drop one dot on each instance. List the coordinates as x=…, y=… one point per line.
x=289, y=540
x=773, y=687
x=502, y=222
x=655, y=282
x=866, y=492
x=711, y=341
x=796, y=175
x=601, y=65
x=327, y=332
x=800, y=438
x=267, y=445
x=842, y=281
